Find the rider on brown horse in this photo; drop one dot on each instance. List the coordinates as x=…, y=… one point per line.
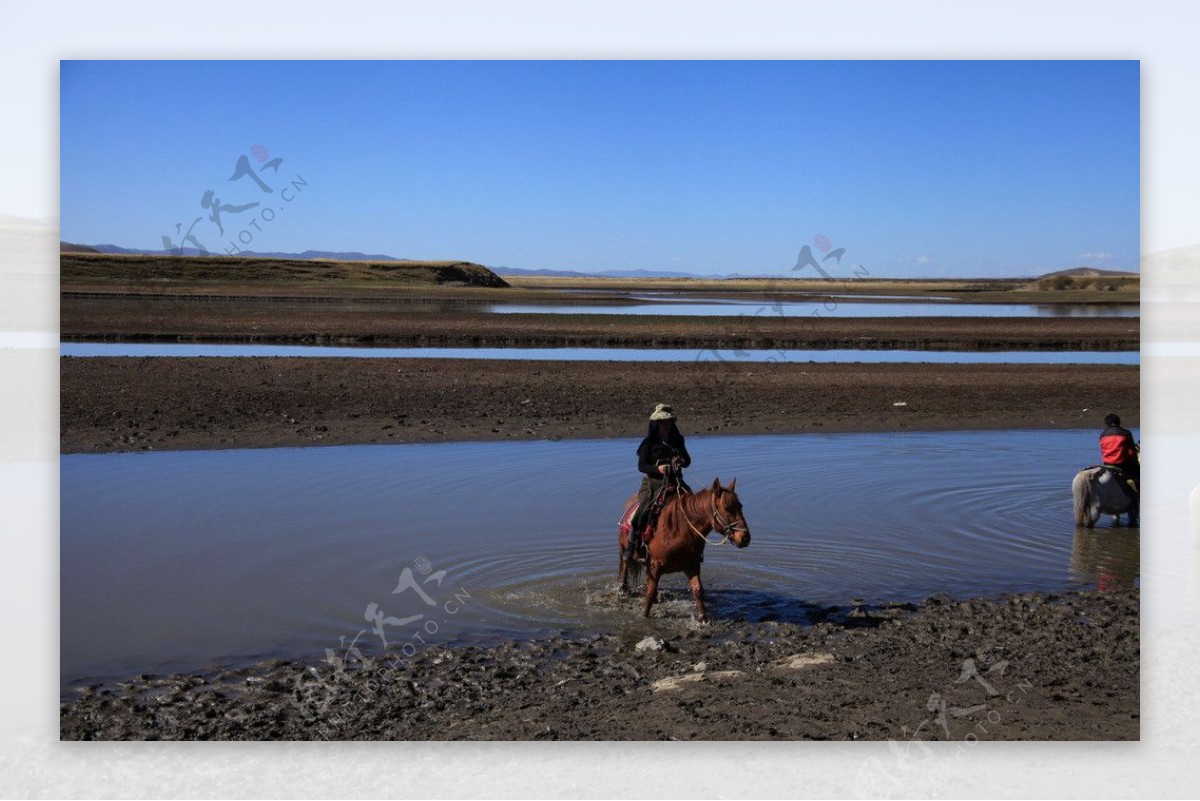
x=661, y=457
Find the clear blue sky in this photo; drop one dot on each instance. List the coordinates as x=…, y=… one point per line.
x=915, y=168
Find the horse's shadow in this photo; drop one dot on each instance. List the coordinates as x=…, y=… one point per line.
x=762, y=606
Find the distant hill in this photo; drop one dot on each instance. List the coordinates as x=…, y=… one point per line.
x=68, y=247
x=84, y=271
x=308, y=254
x=1092, y=278
x=615, y=273
x=647, y=274
x=544, y=273
x=1089, y=272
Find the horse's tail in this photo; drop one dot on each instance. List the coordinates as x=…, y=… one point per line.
x=1081, y=493
x=633, y=570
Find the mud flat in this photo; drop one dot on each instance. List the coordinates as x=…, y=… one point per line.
x=127, y=404
x=1025, y=667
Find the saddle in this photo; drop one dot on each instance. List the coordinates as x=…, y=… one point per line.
x=656, y=505
x=1120, y=475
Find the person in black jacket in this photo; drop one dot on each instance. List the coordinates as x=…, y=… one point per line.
x=662, y=456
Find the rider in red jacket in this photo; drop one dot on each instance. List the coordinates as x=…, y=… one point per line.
x=1118, y=449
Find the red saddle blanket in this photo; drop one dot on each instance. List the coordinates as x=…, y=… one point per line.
x=632, y=505
x=627, y=515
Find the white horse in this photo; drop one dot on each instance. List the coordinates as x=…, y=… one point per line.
x=1101, y=490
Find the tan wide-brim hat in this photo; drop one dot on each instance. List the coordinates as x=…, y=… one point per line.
x=662, y=412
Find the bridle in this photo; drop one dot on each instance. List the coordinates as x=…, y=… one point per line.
x=727, y=528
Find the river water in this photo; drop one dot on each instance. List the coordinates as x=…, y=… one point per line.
x=138, y=349
x=673, y=305
x=189, y=560
x=826, y=306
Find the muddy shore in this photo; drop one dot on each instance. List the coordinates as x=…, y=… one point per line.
x=1031, y=666
x=126, y=404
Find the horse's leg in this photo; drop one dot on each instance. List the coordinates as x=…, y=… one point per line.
x=693, y=575
x=628, y=570
x=622, y=565
x=653, y=571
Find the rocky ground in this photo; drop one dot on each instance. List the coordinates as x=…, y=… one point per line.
x=1030, y=666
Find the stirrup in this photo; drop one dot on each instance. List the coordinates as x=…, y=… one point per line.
x=634, y=547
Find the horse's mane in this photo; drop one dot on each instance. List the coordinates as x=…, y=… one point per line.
x=677, y=511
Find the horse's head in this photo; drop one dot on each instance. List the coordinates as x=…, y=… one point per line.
x=728, y=518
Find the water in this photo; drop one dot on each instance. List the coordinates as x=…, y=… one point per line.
x=826, y=306
x=672, y=305
x=137, y=349
x=186, y=560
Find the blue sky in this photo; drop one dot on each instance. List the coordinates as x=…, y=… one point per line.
x=916, y=168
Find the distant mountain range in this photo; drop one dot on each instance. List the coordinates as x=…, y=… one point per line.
x=68, y=247
x=614, y=273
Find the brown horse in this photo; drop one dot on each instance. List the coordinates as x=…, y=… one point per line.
x=677, y=542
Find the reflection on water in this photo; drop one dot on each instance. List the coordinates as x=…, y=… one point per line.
x=180, y=560
x=665, y=304
x=140, y=349
x=1107, y=558
x=828, y=306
